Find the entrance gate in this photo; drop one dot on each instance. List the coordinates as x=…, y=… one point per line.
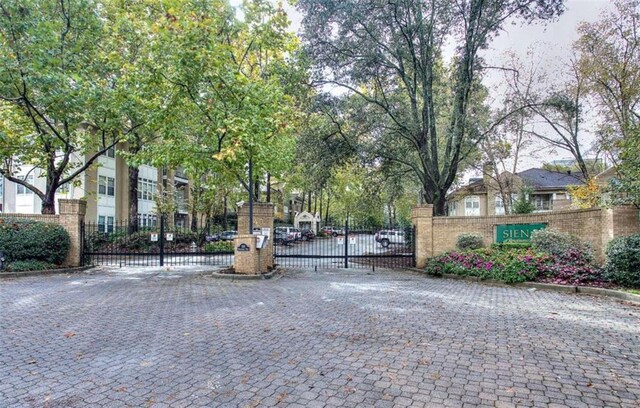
x=347, y=246
x=153, y=245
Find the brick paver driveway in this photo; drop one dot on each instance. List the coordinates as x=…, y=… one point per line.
x=337, y=338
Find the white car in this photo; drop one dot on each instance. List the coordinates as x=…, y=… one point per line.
x=388, y=237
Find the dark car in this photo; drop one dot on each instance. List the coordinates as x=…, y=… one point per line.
x=282, y=238
x=228, y=235
x=308, y=235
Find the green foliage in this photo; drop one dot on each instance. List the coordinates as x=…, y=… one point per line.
x=523, y=204
x=622, y=265
x=220, y=246
x=23, y=240
x=560, y=244
x=30, y=265
x=511, y=245
x=469, y=241
x=415, y=111
x=61, y=98
x=512, y=265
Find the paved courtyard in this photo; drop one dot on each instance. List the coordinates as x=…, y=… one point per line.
x=313, y=339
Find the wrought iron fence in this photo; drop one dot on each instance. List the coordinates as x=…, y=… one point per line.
x=345, y=246
x=162, y=244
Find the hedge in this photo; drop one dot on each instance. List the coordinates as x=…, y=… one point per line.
x=29, y=240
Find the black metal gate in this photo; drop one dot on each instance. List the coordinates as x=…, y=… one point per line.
x=155, y=244
x=346, y=246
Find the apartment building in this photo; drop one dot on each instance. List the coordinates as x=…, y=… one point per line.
x=481, y=197
x=105, y=187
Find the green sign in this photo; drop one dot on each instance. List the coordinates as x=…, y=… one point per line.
x=516, y=232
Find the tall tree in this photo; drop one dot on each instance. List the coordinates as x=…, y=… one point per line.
x=389, y=54
x=53, y=78
x=610, y=60
x=229, y=94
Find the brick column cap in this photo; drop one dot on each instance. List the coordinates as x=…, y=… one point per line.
x=72, y=206
x=422, y=211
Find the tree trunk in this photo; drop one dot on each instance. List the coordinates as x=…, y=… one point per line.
x=439, y=205
x=304, y=196
x=321, y=197
x=49, y=202
x=256, y=189
x=134, y=148
x=326, y=216
x=133, y=199
x=309, y=202
x=268, y=187
x=315, y=203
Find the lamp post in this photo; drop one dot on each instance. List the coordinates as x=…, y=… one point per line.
x=250, y=195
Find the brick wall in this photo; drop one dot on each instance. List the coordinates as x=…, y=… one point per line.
x=437, y=235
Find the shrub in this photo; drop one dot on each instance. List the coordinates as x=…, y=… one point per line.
x=561, y=244
x=22, y=240
x=469, y=241
x=31, y=265
x=517, y=265
x=220, y=246
x=622, y=266
x=523, y=204
x=511, y=245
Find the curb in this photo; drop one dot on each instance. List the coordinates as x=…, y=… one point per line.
x=630, y=297
x=232, y=276
x=548, y=286
x=586, y=290
x=44, y=272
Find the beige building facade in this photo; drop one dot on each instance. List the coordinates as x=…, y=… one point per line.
x=105, y=188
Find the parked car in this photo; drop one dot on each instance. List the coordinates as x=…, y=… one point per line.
x=212, y=237
x=282, y=238
x=307, y=235
x=388, y=237
x=228, y=235
x=333, y=231
x=291, y=232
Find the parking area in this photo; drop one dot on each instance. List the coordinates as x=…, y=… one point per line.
x=180, y=338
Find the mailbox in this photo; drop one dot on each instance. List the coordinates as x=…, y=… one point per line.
x=261, y=241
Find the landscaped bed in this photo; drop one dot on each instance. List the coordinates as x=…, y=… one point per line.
x=551, y=257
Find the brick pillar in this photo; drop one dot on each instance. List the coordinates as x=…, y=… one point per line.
x=422, y=218
x=72, y=214
x=254, y=261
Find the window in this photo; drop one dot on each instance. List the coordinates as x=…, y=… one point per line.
x=63, y=189
x=146, y=189
x=499, y=206
x=110, y=221
x=22, y=190
x=542, y=202
x=106, y=186
x=101, y=223
x=110, y=152
x=472, y=206
x=452, y=208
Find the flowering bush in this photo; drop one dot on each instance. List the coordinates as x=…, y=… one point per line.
x=512, y=265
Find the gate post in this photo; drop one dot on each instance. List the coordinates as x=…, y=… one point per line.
x=161, y=239
x=422, y=219
x=72, y=214
x=346, y=243
x=248, y=259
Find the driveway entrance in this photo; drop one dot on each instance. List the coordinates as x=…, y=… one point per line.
x=347, y=246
